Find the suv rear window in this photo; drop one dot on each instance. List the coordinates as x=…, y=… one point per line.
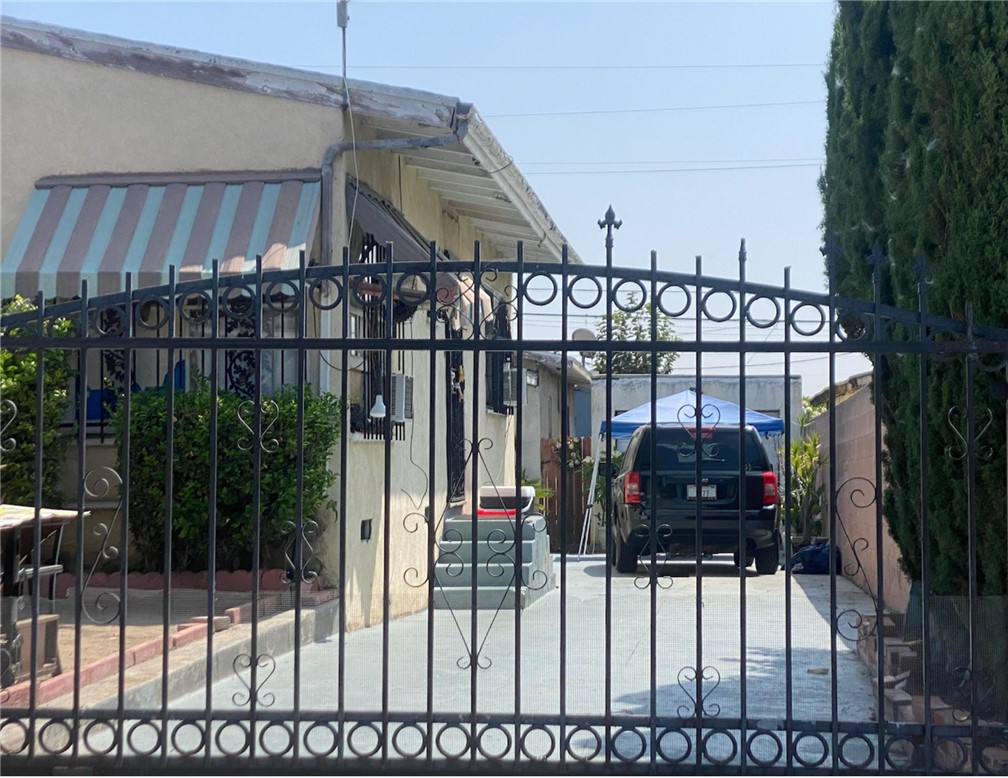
x=676, y=450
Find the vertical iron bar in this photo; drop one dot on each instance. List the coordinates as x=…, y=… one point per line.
x=212, y=509
x=124, y=527
x=299, y=530
x=431, y=485
x=834, y=705
x=519, y=361
x=923, y=337
x=474, y=461
x=563, y=502
x=429, y=508
x=40, y=425
x=609, y=223
x=343, y=515
x=743, y=495
x=386, y=425
x=169, y=515
x=971, y=505
x=879, y=590
x=82, y=382
x=653, y=519
x=788, y=615
x=257, y=451
x=698, y=540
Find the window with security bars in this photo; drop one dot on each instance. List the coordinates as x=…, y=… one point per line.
x=374, y=366
x=499, y=364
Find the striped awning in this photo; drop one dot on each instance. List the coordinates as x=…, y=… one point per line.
x=101, y=227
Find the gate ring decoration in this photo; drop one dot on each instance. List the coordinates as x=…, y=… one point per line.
x=328, y=727
x=91, y=728
x=660, y=301
x=572, y=297
x=569, y=744
x=796, y=325
x=288, y=303
x=287, y=730
x=178, y=729
x=528, y=289
x=493, y=757
x=236, y=301
x=371, y=299
x=664, y=754
x=705, y=301
x=194, y=307
x=405, y=727
x=852, y=737
x=109, y=320
x=319, y=288
x=986, y=763
x=453, y=755
x=131, y=733
x=9, y=750
x=906, y=759
x=939, y=751
x=151, y=301
x=524, y=737
x=616, y=750
x=411, y=277
x=865, y=323
x=767, y=324
x=359, y=726
x=764, y=733
x=634, y=306
x=69, y=736
x=815, y=736
x=706, y=751
x=224, y=727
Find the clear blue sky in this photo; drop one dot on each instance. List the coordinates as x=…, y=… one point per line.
x=578, y=94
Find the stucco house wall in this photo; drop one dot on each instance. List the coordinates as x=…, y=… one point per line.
x=60, y=116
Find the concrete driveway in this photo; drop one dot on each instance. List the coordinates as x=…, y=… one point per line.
x=563, y=635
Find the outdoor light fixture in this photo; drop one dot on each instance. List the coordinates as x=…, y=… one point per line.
x=378, y=409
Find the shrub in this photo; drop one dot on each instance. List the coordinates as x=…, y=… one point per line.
x=18, y=386
x=235, y=476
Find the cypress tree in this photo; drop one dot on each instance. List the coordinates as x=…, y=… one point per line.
x=917, y=162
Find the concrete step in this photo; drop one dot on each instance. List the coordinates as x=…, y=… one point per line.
x=486, y=550
x=487, y=574
x=487, y=598
x=498, y=530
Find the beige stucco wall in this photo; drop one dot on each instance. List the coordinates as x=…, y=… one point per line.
x=59, y=116
x=854, y=461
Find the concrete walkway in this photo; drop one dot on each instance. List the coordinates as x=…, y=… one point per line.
x=562, y=655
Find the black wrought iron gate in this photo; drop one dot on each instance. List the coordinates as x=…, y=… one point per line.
x=362, y=619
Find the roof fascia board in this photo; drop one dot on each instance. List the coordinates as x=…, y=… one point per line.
x=423, y=108
x=490, y=156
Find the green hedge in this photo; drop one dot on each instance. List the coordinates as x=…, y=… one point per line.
x=235, y=476
x=18, y=385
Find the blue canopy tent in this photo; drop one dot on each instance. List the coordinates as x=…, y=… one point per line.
x=681, y=409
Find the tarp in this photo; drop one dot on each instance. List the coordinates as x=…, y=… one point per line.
x=681, y=408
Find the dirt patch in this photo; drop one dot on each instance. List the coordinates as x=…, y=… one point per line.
x=99, y=641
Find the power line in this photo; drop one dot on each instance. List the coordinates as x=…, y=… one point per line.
x=688, y=66
x=679, y=161
x=670, y=169
x=600, y=112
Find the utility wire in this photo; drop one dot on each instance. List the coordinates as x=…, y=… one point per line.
x=678, y=161
x=603, y=112
x=669, y=169
x=690, y=66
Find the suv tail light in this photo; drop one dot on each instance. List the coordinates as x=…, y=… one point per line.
x=769, y=488
x=631, y=487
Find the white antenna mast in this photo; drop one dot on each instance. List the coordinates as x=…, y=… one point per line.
x=342, y=19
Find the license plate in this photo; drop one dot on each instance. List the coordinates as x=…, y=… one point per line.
x=707, y=492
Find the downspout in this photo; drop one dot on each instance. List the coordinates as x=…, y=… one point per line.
x=337, y=149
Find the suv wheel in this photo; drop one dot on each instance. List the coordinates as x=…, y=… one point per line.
x=766, y=560
x=748, y=559
x=626, y=559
